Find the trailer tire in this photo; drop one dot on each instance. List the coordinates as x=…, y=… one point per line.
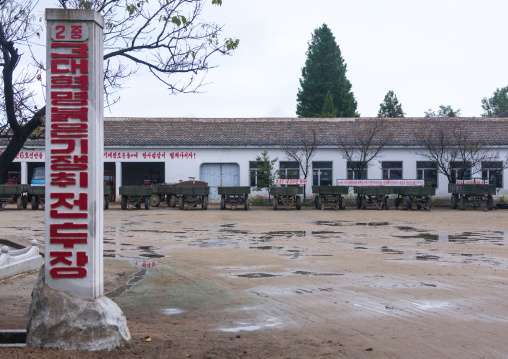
x=428, y=203
x=318, y=201
x=24, y=200
x=35, y=203
x=19, y=202
x=298, y=202
x=342, y=202
x=463, y=200
x=490, y=202
x=397, y=203
x=222, y=202
x=275, y=202
x=387, y=203
x=204, y=203
x=406, y=203
x=147, y=202
x=358, y=201
x=454, y=200
x=246, y=202
x=155, y=200
x=363, y=202
x=180, y=202
x=123, y=203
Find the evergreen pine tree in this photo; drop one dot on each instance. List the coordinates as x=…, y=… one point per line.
x=324, y=71
x=328, y=109
x=390, y=106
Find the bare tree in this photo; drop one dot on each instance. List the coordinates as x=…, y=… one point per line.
x=455, y=149
x=362, y=142
x=302, y=149
x=167, y=37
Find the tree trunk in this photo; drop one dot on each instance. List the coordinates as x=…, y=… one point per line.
x=16, y=143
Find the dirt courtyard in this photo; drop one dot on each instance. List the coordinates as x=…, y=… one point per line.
x=292, y=284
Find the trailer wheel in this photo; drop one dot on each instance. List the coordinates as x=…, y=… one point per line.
x=155, y=200
x=298, y=202
x=406, y=203
x=180, y=202
x=123, y=203
x=34, y=203
x=342, y=202
x=463, y=200
x=454, y=200
x=222, y=202
x=19, y=202
x=387, y=203
x=490, y=202
x=358, y=201
x=318, y=201
x=171, y=200
x=246, y=202
x=428, y=204
x=24, y=199
x=363, y=202
x=147, y=202
x=204, y=203
x=275, y=202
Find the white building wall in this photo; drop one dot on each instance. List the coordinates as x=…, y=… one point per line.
x=189, y=160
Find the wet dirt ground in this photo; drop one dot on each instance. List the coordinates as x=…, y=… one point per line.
x=292, y=284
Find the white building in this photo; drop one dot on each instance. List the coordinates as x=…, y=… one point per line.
x=223, y=152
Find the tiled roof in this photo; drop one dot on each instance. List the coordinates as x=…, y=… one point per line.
x=273, y=132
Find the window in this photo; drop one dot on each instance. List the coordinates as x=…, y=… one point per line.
x=427, y=170
x=289, y=170
x=459, y=171
x=493, y=171
x=392, y=170
x=322, y=173
x=353, y=170
x=257, y=176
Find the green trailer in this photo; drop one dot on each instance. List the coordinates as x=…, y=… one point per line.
x=413, y=196
x=37, y=196
x=480, y=195
x=135, y=196
x=13, y=193
x=234, y=196
x=190, y=194
x=330, y=195
x=287, y=196
x=378, y=196
x=163, y=192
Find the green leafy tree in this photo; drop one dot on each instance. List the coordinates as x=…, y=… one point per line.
x=444, y=111
x=496, y=104
x=324, y=71
x=167, y=37
x=390, y=106
x=266, y=173
x=328, y=109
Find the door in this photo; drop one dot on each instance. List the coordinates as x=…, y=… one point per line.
x=219, y=175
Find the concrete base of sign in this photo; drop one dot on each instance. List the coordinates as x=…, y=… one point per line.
x=58, y=320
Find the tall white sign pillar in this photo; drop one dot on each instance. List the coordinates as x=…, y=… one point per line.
x=69, y=310
x=74, y=152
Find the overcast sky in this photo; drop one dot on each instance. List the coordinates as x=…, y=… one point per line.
x=430, y=53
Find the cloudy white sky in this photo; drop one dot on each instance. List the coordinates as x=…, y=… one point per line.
x=430, y=53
